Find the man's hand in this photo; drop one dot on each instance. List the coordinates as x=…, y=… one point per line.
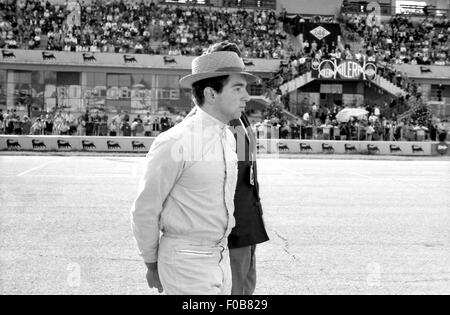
x=153, y=277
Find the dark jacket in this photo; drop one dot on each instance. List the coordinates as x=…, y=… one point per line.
x=249, y=229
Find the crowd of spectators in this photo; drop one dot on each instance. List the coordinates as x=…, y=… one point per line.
x=91, y=123
x=320, y=123
x=398, y=42
x=126, y=27
x=402, y=41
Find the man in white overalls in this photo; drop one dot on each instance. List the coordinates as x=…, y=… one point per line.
x=187, y=190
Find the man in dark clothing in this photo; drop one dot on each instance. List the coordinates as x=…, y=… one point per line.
x=164, y=123
x=249, y=229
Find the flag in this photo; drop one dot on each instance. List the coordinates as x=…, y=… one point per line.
x=73, y=18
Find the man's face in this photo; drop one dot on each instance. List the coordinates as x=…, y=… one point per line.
x=231, y=102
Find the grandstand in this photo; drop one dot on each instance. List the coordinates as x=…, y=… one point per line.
x=58, y=55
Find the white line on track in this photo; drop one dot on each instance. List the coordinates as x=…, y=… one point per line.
x=34, y=169
x=85, y=176
x=361, y=175
x=388, y=178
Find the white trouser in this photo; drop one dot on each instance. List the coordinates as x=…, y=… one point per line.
x=192, y=267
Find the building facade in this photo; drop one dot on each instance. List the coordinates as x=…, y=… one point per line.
x=41, y=81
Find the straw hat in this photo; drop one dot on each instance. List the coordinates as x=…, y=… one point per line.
x=216, y=64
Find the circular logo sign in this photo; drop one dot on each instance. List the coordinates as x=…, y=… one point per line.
x=315, y=64
x=442, y=148
x=370, y=71
x=326, y=69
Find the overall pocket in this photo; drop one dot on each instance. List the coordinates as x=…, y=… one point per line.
x=194, y=252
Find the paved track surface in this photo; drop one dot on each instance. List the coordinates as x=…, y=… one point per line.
x=336, y=226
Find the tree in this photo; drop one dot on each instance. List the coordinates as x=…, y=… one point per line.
x=419, y=113
x=273, y=109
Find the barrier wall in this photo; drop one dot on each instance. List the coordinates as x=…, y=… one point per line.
x=73, y=143
x=282, y=146
x=273, y=146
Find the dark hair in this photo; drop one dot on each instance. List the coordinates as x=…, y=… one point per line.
x=216, y=83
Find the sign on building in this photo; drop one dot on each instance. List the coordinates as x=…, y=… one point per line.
x=344, y=70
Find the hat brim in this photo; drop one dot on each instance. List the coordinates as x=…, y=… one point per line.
x=187, y=81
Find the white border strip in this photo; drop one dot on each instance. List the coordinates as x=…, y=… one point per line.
x=33, y=169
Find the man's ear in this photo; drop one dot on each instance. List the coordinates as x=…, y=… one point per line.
x=209, y=94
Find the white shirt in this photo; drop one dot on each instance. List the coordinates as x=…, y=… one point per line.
x=188, y=186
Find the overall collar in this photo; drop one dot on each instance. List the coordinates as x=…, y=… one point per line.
x=209, y=120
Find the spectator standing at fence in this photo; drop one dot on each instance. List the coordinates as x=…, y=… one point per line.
x=326, y=129
x=433, y=131
x=179, y=118
x=440, y=128
x=115, y=124
x=103, y=128
x=345, y=131
x=421, y=131
x=285, y=130
x=47, y=122
x=96, y=120
x=170, y=122
x=125, y=128
x=133, y=127
x=407, y=131
x=37, y=127
x=378, y=131
x=164, y=121
x=26, y=125
x=71, y=120
x=16, y=123
x=295, y=125
x=114, y=127
x=57, y=120
x=64, y=127
x=334, y=110
x=2, y=118
x=314, y=112
x=139, y=128
x=7, y=125
x=2, y=122
x=81, y=126
x=156, y=127
x=147, y=121
x=385, y=124
x=84, y=120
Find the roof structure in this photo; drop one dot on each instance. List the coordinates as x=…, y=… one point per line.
x=111, y=60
